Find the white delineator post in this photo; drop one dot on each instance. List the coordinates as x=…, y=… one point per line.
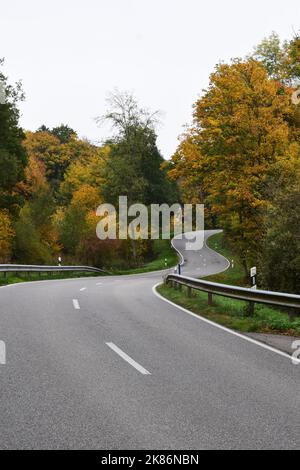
x=253, y=277
x=2, y=353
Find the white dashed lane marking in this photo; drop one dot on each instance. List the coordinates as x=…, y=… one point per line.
x=128, y=359
x=76, y=304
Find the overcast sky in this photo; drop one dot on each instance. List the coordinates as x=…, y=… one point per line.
x=71, y=53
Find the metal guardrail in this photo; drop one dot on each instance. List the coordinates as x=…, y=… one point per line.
x=21, y=268
x=279, y=299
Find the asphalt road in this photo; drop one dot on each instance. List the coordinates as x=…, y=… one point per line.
x=105, y=364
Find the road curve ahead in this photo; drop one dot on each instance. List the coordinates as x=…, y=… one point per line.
x=105, y=364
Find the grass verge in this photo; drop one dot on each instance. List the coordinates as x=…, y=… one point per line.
x=231, y=313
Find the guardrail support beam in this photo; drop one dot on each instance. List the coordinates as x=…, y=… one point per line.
x=250, y=309
x=292, y=313
x=250, y=296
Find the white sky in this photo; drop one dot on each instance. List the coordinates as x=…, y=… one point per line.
x=70, y=53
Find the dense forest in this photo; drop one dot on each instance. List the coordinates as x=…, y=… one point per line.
x=240, y=157
x=52, y=183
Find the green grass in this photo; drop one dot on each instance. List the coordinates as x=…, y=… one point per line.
x=231, y=313
x=11, y=278
x=163, y=251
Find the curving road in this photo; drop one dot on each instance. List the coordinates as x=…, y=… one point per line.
x=106, y=364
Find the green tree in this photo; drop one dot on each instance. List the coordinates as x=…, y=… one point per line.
x=279, y=256
x=273, y=55
x=64, y=133
x=293, y=52
x=13, y=157
x=280, y=59
x=43, y=128
x=134, y=167
x=30, y=247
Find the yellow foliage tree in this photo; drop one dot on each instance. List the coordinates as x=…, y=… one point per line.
x=7, y=234
x=87, y=197
x=87, y=170
x=240, y=131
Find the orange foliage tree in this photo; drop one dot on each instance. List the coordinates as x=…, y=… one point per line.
x=240, y=130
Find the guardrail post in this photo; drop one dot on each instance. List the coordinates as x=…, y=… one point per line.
x=250, y=309
x=292, y=313
x=210, y=299
x=189, y=292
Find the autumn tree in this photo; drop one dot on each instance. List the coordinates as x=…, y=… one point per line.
x=87, y=169
x=46, y=148
x=36, y=236
x=57, y=153
x=7, y=234
x=241, y=128
x=73, y=225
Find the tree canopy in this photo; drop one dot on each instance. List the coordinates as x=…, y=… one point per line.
x=245, y=128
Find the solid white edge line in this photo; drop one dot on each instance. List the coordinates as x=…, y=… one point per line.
x=76, y=304
x=182, y=262
x=295, y=361
x=128, y=359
